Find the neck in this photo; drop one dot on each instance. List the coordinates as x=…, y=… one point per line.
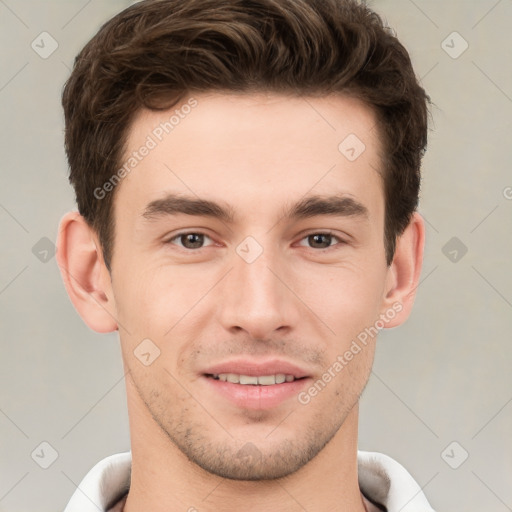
x=163, y=479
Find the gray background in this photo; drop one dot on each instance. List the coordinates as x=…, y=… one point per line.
x=443, y=377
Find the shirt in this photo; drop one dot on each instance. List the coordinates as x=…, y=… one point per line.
x=381, y=479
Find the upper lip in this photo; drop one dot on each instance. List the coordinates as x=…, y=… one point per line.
x=254, y=368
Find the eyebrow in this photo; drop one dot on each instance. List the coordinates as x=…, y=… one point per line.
x=333, y=205
x=173, y=204
x=311, y=206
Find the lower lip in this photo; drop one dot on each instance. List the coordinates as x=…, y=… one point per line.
x=259, y=397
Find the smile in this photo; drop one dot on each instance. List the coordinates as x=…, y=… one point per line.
x=253, y=380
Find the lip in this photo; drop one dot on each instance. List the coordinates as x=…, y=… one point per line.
x=256, y=368
x=256, y=397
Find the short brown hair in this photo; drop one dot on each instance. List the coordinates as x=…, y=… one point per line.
x=156, y=52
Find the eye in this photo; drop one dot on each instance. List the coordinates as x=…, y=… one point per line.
x=189, y=240
x=322, y=240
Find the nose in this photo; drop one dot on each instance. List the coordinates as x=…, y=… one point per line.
x=255, y=297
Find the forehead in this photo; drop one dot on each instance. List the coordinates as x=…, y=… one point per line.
x=253, y=151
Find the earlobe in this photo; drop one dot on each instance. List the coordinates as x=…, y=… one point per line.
x=84, y=273
x=405, y=270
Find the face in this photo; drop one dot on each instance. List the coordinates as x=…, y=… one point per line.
x=250, y=244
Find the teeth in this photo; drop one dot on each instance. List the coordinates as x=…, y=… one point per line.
x=263, y=380
x=245, y=379
x=267, y=380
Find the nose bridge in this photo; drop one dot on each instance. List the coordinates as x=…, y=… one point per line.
x=254, y=298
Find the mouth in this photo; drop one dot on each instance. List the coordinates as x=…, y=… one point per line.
x=254, y=380
x=256, y=385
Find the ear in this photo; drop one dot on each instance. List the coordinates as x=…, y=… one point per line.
x=404, y=272
x=85, y=274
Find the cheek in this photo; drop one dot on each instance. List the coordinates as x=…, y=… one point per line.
x=152, y=301
x=347, y=298
x=153, y=305
x=141, y=297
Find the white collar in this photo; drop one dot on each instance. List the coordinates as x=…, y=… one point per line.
x=381, y=479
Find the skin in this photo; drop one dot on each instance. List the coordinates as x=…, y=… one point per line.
x=257, y=153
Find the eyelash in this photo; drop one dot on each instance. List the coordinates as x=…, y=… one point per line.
x=327, y=233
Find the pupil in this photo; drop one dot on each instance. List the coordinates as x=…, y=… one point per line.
x=317, y=239
x=192, y=240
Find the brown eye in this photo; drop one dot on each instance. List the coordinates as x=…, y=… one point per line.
x=191, y=240
x=320, y=240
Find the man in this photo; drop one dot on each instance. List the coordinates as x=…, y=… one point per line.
x=246, y=175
